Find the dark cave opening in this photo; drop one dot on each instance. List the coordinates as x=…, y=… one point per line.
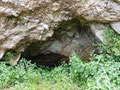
x=69, y=36
x=50, y=60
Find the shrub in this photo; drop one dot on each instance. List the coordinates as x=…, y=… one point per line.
x=95, y=75
x=110, y=49
x=25, y=76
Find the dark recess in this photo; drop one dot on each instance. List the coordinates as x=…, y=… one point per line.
x=50, y=60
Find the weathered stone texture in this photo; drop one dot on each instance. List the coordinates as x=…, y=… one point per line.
x=98, y=10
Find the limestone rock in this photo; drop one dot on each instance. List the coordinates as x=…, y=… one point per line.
x=98, y=30
x=97, y=10
x=116, y=26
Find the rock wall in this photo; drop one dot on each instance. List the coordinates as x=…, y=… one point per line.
x=25, y=23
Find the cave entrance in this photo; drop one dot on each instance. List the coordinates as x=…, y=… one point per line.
x=50, y=60
x=69, y=36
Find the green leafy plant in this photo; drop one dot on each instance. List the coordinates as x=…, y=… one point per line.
x=9, y=56
x=110, y=49
x=95, y=75
x=112, y=42
x=25, y=76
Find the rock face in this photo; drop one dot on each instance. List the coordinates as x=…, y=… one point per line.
x=35, y=27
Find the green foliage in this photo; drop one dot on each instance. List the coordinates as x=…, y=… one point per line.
x=112, y=42
x=95, y=75
x=9, y=56
x=24, y=76
x=110, y=49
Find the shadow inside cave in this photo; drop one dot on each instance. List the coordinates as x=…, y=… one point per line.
x=50, y=60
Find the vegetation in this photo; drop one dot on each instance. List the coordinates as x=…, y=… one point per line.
x=101, y=73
